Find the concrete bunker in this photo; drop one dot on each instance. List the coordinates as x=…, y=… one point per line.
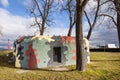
x=33, y=52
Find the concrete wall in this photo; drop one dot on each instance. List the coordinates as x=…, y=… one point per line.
x=38, y=51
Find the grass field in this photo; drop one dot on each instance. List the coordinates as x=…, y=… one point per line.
x=103, y=66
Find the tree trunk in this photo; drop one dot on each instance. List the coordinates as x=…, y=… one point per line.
x=70, y=30
x=42, y=28
x=117, y=6
x=89, y=33
x=118, y=27
x=80, y=64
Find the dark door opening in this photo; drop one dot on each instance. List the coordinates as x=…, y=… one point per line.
x=57, y=54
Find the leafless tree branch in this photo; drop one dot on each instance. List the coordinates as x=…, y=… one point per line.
x=109, y=17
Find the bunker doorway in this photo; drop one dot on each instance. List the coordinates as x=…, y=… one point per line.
x=57, y=54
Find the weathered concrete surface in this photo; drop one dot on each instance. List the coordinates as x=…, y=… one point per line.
x=47, y=51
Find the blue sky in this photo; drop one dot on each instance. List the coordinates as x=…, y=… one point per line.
x=16, y=7
x=15, y=21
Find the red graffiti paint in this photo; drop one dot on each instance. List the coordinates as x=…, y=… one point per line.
x=38, y=61
x=32, y=61
x=63, y=39
x=74, y=53
x=68, y=39
x=20, y=39
x=74, y=58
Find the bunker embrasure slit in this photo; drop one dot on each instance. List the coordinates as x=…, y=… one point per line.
x=57, y=54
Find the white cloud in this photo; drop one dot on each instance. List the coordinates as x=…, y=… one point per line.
x=58, y=31
x=5, y=3
x=27, y=3
x=13, y=26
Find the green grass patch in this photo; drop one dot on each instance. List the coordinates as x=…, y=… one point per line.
x=103, y=66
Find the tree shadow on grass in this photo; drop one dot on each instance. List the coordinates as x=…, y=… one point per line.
x=103, y=60
x=4, y=61
x=52, y=70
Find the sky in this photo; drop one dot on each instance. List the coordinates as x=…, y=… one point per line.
x=15, y=21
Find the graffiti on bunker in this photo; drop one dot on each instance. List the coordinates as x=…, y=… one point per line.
x=46, y=51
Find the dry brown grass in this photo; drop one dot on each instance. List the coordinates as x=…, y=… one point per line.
x=103, y=66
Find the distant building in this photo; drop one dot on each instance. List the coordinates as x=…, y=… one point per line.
x=111, y=46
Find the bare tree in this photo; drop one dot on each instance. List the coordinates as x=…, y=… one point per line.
x=114, y=10
x=117, y=7
x=41, y=11
x=72, y=14
x=109, y=12
x=80, y=62
x=94, y=20
x=70, y=8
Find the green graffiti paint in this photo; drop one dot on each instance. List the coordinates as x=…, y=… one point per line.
x=25, y=43
x=69, y=53
x=41, y=52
